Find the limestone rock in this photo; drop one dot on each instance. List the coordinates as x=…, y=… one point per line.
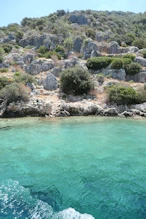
x=50, y=82
x=110, y=112
x=141, y=61
x=38, y=66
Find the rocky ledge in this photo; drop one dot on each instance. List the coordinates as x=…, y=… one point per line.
x=44, y=108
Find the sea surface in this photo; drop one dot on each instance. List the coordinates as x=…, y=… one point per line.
x=73, y=168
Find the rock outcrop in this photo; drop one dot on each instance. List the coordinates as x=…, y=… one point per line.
x=50, y=82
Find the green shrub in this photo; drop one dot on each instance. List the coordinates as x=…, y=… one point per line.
x=126, y=62
x=140, y=43
x=7, y=47
x=144, y=54
x=24, y=78
x=50, y=54
x=123, y=95
x=14, y=92
x=76, y=81
x=1, y=59
x=68, y=43
x=60, y=49
x=2, y=70
x=98, y=63
x=1, y=52
x=42, y=50
x=129, y=56
x=133, y=68
x=4, y=81
x=90, y=33
x=117, y=63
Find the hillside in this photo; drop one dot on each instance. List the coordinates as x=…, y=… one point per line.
x=109, y=47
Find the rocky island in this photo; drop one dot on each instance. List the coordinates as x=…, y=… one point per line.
x=74, y=63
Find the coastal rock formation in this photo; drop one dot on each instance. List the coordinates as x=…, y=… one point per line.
x=32, y=108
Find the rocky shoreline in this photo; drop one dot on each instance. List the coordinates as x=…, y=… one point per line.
x=61, y=108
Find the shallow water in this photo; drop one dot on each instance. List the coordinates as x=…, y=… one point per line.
x=91, y=167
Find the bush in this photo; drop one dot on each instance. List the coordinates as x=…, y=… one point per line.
x=76, y=81
x=1, y=59
x=14, y=92
x=98, y=63
x=24, y=78
x=4, y=81
x=68, y=43
x=90, y=33
x=42, y=50
x=7, y=47
x=2, y=70
x=1, y=52
x=60, y=49
x=123, y=95
x=126, y=62
x=129, y=56
x=144, y=54
x=117, y=63
x=133, y=68
x=50, y=54
x=140, y=43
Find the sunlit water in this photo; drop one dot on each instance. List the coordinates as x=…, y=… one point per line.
x=73, y=168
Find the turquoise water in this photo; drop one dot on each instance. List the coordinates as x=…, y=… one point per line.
x=73, y=168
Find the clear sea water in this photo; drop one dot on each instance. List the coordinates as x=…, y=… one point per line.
x=73, y=168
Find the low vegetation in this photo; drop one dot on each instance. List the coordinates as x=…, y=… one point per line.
x=98, y=63
x=122, y=95
x=76, y=81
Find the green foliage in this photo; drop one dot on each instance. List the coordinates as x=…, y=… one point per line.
x=24, y=78
x=14, y=92
x=144, y=54
x=6, y=47
x=98, y=63
x=140, y=43
x=4, y=81
x=51, y=54
x=90, y=33
x=2, y=70
x=68, y=43
x=133, y=68
x=129, y=38
x=60, y=49
x=126, y=62
x=76, y=81
x=123, y=95
x=129, y=56
x=1, y=52
x=42, y=50
x=1, y=59
x=117, y=63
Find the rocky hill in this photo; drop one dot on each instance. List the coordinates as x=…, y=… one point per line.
x=111, y=46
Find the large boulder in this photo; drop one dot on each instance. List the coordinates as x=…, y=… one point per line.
x=50, y=82
x=113, y=48
x=78, y=44
x=141, y=61
x=115, y=73
x=38, y=66
x=88, y=47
